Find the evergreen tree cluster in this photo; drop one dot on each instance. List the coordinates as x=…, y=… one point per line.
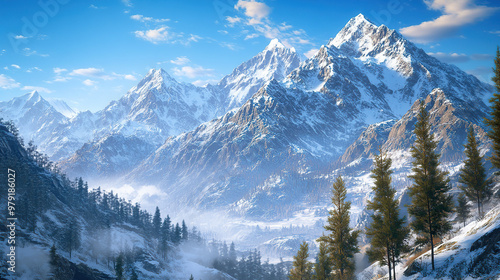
x=430, y=208
x=248, y=267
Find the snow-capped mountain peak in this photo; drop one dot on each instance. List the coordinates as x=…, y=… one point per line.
x=276, y=61
x=276, y=44
x=34, y=96
x=353, y=31
x=361, y=38
x=155, y=78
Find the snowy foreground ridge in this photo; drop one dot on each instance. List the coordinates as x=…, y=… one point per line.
x=471, y=252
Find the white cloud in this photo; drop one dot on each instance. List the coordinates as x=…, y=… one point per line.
x=92, y=6
x=30, y=52
x=91, y=72
x=257, y=17
x=193, y=38
x=142, y=18
x=455, y=14
x=39, y=89
x=20, y=37
x=497, y=32
x=89, y=82
x=283, y=26
x=230, y=46
x=256, y=11
x=127, y=3
x=251, y=36
x=310, y=53
x=8, y=83
x=460, y=58
x=16, y=66
x=233, y=20
x=61, y=79
x=181, y=60
x=33, y=68
x=2, y=52
x=154, y=35
x=129, y=77
x=193, y=72
x=58, y=70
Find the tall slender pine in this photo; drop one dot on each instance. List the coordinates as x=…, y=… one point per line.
x=494, y=121
x=430, y=205
x=475, y=184
x=463, y=210
x=157, y=223
x=342, y=242
x=387, y=230
x=302, y=268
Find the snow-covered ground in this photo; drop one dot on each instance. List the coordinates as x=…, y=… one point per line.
x=469, y=252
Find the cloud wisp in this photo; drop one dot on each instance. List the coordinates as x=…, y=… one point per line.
x=7, y=82
x=455, y=14
x=193, y=72
x=459, y=58
x=256, y=15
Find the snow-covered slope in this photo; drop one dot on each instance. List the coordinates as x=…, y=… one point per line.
x=63, y=108
x=274, y=62
x=470, y=252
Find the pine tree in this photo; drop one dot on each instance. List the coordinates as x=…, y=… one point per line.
x=184, y=231
x=342, y=243
x=302, y=268
x=134, y=275
x=322, y=268
x=191, y=278
x=475, y=186
x=463, y=209
x=494, y=121
x=72, y=236
x=119, y=267
x=430, y=205
x=176, y=238
x=53, y=260
x=157, y=223
x=232, y=262
x=165, y=236
x=387, y=230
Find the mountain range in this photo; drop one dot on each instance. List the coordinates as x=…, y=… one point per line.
x=266, y=142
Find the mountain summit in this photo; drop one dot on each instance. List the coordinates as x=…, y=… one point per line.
x=275, y=62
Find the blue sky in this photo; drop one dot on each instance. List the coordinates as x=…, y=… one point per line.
x=89, y=52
